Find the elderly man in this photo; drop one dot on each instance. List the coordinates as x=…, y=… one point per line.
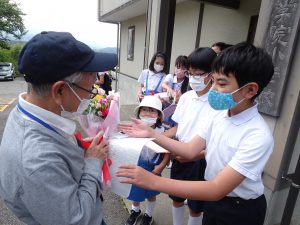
x=45, y=177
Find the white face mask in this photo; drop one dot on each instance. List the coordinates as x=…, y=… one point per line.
x=180, y=73
x=197, y=84
x=149, y=120
x=158, y=67
x=83, y=105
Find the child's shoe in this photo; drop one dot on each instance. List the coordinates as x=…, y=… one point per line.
x=146, y=220
x=133, y=217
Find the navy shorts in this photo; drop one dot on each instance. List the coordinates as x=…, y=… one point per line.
x=235, y=211
x=193, y=171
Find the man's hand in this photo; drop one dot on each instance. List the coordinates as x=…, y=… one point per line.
x=96, y=149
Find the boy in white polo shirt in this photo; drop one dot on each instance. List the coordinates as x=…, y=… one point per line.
x=238, y=143
x=188, y=124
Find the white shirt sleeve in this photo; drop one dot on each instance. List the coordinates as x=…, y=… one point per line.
x=205, y=129
x=143, y=76
x=169, y=80
x=252, y=155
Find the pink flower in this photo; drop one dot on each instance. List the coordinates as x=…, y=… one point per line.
x=105, y=112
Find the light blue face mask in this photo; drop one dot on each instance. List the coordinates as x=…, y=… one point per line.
x=222, y=101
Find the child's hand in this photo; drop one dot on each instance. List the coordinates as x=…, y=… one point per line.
x=176, y=96
x=181, y=159
x=136, y=129
x=170, y=92
x=140, y=96
x=157, y=169
x=133, y=174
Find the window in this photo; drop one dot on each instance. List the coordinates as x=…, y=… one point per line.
x=130, y=43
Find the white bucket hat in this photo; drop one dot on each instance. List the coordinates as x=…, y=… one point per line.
x=152, y=102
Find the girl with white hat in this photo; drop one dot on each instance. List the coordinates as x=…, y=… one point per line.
x=149, y=111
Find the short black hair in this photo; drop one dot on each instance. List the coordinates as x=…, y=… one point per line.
x=221, y=45
x=247, y=63
x=157, y=55
x=182, y=60
x=202, y=58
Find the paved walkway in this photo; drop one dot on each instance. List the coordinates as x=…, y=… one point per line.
x=162, y=214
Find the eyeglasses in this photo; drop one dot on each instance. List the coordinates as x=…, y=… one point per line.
x=148, y=109
x=93, y=92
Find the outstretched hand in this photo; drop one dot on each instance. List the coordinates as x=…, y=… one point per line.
x=136, y=129
x=136, y=175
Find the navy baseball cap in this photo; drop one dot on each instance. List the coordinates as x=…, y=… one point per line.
x=52, y=56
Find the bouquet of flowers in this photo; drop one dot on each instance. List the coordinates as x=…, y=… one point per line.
x=103, y=113
x=99, y=107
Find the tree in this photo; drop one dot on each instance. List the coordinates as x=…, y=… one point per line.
x=11, y=23
x=11, y=55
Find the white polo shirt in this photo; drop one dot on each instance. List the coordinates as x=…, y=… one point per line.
x=172, y=82
x=245, y=143
x=190, y=114
x=153, y=79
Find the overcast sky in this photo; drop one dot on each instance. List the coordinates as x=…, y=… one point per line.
x=78, y=17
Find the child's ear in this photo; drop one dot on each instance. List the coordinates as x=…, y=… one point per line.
x=252, y=90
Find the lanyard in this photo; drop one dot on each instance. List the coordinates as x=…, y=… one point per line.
x=155, y=90
x=36, y=119
x=173, y=84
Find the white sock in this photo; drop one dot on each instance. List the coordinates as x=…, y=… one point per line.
x=135, y=208
x=150, y=207
x=178, y=214
x=195, y=220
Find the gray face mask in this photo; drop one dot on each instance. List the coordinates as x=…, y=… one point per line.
x=83, y=105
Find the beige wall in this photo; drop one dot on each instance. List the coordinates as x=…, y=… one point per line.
x=264, y=14
x=215, y=28
x=227, y=25
x=133, y=68
x=109, y=5
x=154, y=29
x=185, y=30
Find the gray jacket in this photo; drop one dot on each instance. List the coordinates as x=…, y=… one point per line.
x=44, y=179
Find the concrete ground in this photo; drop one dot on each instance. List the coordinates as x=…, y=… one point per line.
x=162, y=214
